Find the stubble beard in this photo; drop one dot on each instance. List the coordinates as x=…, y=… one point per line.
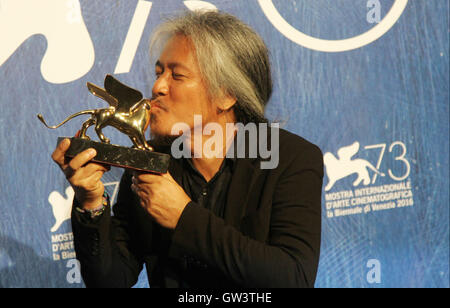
x=160, y=139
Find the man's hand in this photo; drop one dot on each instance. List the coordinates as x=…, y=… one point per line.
x=84, y=177
x=161, y=196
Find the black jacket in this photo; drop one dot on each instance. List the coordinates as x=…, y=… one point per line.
x=269, y=236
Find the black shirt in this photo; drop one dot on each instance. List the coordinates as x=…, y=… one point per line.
x=213, y=196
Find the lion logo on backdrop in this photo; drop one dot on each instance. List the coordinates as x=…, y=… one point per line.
x=70, y=51
x=344, y=166
x=61, y=206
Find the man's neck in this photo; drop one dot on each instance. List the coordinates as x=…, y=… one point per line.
x=210, y=160
x=207, y=167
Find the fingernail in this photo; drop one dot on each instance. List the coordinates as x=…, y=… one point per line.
x=92, y=152
x=65, y=142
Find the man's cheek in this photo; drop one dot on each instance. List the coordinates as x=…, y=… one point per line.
x=157, y=124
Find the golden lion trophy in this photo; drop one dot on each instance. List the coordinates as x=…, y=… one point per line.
x=128, y=112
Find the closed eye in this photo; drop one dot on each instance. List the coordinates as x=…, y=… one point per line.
x=158, y=73
x=178, y=76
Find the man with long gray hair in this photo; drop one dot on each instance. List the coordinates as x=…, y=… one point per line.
x=215, y=219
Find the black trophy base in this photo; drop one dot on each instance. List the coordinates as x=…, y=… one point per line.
x=120, y=156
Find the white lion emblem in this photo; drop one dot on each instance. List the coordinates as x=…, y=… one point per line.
x=61, y=206
x=337, y=169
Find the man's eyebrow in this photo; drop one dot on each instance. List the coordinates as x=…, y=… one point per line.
x=171, y=65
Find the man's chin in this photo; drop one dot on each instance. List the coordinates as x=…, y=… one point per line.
x=162, y=140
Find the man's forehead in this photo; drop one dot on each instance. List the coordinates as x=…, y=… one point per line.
x=178, y=44
x=178, y=52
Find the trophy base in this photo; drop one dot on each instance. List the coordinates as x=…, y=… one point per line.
x=120, y=156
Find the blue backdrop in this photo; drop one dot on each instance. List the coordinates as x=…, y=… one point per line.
x=366, y=80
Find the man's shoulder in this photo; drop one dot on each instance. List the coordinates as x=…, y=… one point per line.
x=291, y=143
x=298, y=153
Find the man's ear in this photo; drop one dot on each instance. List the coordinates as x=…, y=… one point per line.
x=226, y=103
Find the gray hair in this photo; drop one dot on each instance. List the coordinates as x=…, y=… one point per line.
x=232, y=58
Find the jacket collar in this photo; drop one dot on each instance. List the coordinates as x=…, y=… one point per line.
x=245, y=172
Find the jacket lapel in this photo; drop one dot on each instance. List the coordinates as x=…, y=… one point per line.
x=244, y=176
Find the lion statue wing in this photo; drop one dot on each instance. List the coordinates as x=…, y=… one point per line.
x=99, y=92
x=126, y=97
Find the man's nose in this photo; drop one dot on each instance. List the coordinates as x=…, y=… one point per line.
x=160, y=87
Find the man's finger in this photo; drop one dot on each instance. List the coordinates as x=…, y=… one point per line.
x=148, y=177
x=95, y=177
x=168, y=176
x=60, y=151
x=78, y=161
x=94, y=167
x=82, y=158
x=85, y=172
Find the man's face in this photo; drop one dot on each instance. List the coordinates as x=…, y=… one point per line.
x=179, y=91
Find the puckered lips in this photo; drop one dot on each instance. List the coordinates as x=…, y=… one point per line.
x=157, y=104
